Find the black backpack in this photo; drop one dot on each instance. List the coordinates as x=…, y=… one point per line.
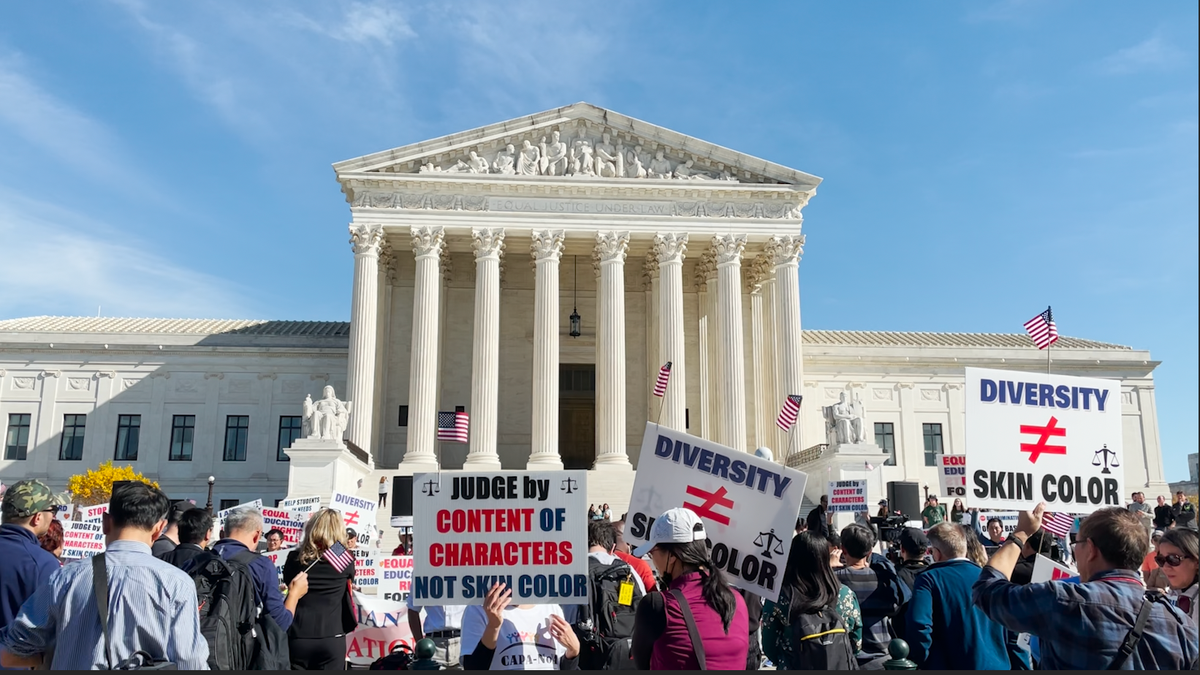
x=238, y=637
x=605, y=644
x=820, y=641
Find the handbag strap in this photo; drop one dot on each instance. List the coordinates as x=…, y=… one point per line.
x=693, y=630
x=1135, y=634
x=100, y=587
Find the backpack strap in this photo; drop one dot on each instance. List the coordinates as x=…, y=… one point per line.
x=693, y=630
x=245, y=557
x=100, y=588
x=1135, y=634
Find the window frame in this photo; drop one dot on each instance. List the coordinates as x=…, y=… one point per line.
x=929, y=433
x=190, y=443
x=19, y=452
x=78, y=433
x=888, y=437
x=241, y=435
x=280, y=455
x=132, y=430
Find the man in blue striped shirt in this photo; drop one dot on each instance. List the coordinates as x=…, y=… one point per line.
x=152, y=605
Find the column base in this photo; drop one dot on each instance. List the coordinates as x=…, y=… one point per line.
x=544, y=462
x=418, y=464
x=613, y=463
x=481, y=463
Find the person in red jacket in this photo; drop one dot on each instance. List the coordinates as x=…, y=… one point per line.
x=641, y=567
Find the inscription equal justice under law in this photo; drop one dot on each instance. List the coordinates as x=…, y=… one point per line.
x=582, y=206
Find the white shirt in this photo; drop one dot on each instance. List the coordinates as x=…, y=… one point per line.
x=383, y=488
x=525, y=642
x=439, y=617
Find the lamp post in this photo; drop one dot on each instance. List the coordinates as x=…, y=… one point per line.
x=211, y=480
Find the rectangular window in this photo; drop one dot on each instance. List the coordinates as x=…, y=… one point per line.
x=885, y=438
x=227, y=504
x=70, y=448
x=933, y=442
x=289, y=430
x=237, y=430
x=129, y=429
x=17, y=444
x=402, y=419
x=183, y=431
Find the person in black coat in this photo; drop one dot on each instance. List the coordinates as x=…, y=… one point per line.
x=195, y=526
x=317, y=636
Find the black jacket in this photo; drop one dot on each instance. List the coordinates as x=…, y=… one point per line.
x=818, y=521
x=327, y=609
x=162, y=546
x=180, y=555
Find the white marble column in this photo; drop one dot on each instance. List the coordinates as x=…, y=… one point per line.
x=770, y=386
x=485, y=360
x=761, y=426
x=546, y=248
x=654, y=361
x=670, y=249
x=611, y=249
x=423, y=377
x=785, y=254
x=731, y=345
x=366, y=241
x=705, y=377
x=715, y=395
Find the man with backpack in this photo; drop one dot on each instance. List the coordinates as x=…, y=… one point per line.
x=880, y=593
x=605, y=628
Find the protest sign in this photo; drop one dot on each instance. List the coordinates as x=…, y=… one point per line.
x=395, y=577
x=366, y=570
x=526, y=529
x=286, y=522
x=1032, y=437
x=357, y=512
x=93, y=514
x=382, y=625
x=952, y=469
x=749, y=505
x=278, y=559
x=223, y=513
x=1007, y=518
x=301, y=507
x=82, y=540
x=1045, y=569
x=65, y=513
x=847, y=496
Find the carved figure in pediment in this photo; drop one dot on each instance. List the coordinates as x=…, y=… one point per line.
x=554, y=156
x=608, y=159
x=477, y=164
x=634, y=166
x=660, y=167
x=428, y=167
x=581, y=157
x=506, y=160
x=459, y=166
x=528, y=160
x=686, y=171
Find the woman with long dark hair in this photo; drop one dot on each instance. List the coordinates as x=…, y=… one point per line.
x=696, y=600
x=808, y=586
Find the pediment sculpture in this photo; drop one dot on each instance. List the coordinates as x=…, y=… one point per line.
x=327, y=418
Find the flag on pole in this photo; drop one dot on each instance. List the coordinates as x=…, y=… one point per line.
x=453, y=427
x=869, y=466
x=1059, y=524
x=791, y=410
x=660, y=385
x=338, y=556
x=1042, y=329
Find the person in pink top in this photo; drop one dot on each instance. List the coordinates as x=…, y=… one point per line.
x=697, y=622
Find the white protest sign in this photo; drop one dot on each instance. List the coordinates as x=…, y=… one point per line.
x=93, y=513
x=366, y=570
x=82, y=540
x=395, y=577
x=286, y=522
x=65, y=513
x=526, y=529
x=749, y=505
x=952, y=469
x=278, y=559
x=1032, y=437
x=1007, y=518
x=357, y=512
x=1045, y=569
x=382, y=626
x=224, y=513
x=847, y=496
x=302, y=506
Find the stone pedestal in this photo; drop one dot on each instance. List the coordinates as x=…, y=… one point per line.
x=319, y=467
x=847, y=462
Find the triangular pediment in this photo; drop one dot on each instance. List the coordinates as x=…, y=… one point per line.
x=592, y=143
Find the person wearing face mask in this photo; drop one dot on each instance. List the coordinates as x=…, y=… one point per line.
x=1177, y=556
x=697, y=622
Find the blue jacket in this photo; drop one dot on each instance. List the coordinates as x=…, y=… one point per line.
x=24, y=566
x=266, y=581
x=944, y=628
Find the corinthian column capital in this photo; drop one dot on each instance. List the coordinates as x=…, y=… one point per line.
x=487, y=242
x=758, y=271
x=612, y=246
x=670, y=247
x=547, y=244
x=428, y=241
x=366, y=239
x=728, y=248
x=785, y=249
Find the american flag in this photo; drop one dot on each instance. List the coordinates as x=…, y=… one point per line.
x=664, y=374
x=453, y=427
x=1059, y=524
x=1042, y=329
x=338, y=556
x=791, y=409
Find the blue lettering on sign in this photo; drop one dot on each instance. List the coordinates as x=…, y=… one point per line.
x=1042, y=395
x=714, y=463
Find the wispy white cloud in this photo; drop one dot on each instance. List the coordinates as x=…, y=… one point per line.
x=363, y=23
x=59, y=261
x=1154, y=53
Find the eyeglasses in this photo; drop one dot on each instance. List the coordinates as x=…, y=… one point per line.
x=1172, y=560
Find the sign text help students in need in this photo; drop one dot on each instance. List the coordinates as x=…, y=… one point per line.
x=1033, y=437
x=525, y=529
x=749, y=505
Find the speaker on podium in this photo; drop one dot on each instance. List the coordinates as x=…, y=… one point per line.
x=905, y=497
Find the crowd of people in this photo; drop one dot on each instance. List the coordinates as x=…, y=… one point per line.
x=962, y=595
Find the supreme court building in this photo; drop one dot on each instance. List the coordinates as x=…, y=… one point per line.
x=534, y=273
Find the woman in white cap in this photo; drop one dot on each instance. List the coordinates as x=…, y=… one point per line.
x=698, y=622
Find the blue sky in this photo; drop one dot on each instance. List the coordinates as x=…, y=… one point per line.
x=981, y=160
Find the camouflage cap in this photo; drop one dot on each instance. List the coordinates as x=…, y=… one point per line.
x=27, y=498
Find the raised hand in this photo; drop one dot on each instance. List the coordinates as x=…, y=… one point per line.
x=562, y=633
x=494, y=603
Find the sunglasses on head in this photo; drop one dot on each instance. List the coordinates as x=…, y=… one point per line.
x=1172, y=560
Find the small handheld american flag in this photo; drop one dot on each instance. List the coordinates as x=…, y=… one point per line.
x=660, y=385
x=1042, y=330
x=1058, y=523
x=453, y=426
x=338, y=556
x=791, y=410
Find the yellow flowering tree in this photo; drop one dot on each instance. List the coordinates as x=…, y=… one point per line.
x=95, y=485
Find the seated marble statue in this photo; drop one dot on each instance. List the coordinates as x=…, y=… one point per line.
x=327, y=418
x=660, y=167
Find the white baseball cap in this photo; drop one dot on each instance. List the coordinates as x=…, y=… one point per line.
x=676, y=526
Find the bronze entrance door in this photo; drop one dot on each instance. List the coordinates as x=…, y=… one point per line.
x=577, y=415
